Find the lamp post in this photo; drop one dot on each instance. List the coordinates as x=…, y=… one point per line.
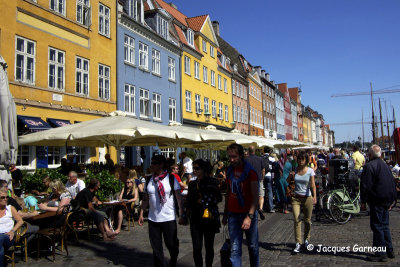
x=207, y=114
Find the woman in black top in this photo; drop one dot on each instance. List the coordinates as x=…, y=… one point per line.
x=202, y=210
x=130, y=194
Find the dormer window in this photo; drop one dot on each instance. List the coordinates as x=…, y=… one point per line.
x=135, y=9
x=223, y=60
x=190, y=37
x=235, y=67
x=162, y=27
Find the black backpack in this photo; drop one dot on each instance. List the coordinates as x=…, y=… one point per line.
x=267, y=163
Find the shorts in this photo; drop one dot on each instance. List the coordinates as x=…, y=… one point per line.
x=261, y=188
x=96, y=216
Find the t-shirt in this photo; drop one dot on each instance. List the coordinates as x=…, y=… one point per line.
x=258, y=165
x=178, y=179
x=56, y=203
x=302, y=183
x=161, y=212
x=74, y=189
x=359, y=160
x=84, y=197
x=187, y=163
x=233, y=203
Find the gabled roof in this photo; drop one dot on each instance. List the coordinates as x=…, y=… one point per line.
x=146, y=6
x=196, y=23
x=174, y=12
x=233, y=55
x=181, y=35
x=293, y=93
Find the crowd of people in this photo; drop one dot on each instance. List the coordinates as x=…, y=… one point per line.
x=191, y=191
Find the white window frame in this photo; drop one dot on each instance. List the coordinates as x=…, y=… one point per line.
x=196, y=69
x=25, y=56
x=187, y=65
x=212, y=78
x=56, y=65
x=54, y=153
x=220, y=111
x=171, y=69
x=226, y=113
x=214, y=108
x=81, y=87
x=129, y=99
x=206, y=105
x=143, y=56
x=58, y=6
x=172, y=109
x=212, y=51
x=190, y=37
x=83, y=12
x=162, y=27
x=204, y=46
x=205, y=74
x=225, y=85
x=188, y=101
x=156, y=61
x=234, y=112
x=104, y=20
x=219, y=82
x=197, y=102
x=156, y=104
x=144, y=103
x=104, y=81
x=129, y=49
x=239, y=116
x=243, y=118
x=233, y=87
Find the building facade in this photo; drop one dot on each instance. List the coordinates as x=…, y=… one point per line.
x=280, y=115
x=268, y=104
x=295, y=94
x=293, y=108
x=288, y=111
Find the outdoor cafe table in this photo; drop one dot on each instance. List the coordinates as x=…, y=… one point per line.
x=113, y=204
x=43, y=215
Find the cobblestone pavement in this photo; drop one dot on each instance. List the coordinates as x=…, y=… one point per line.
x=276, y=243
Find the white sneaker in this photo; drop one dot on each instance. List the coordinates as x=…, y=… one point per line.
x=297, y=248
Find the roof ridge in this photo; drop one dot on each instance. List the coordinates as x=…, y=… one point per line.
x=197, y=16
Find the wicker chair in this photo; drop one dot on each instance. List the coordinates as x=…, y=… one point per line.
x=19, y=243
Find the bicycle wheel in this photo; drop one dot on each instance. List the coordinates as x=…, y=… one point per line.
x=323, y=203
x=334, y=206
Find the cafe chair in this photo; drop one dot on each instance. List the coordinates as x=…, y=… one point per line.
x=130, y=217
x=19, y=243
x=58, y=229
x=75, y=222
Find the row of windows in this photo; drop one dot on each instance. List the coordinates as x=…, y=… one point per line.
x=240, y=114
x=268, y=91
x=268, y=107
x=269, y=124
x=239, y=89
x=198, y=110
x=147, y=106
x=25, y=68
x=212, y=53
x=255, y=92
x=129, y=56
x=255, y=116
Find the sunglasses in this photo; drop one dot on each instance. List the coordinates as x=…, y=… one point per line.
x=4, y=197
x=129, y=182
x=196, y=168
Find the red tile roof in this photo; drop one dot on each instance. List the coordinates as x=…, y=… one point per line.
x=181, y=35
x=196, y=23
x=293, y=93
x=173, y=12
x=146, y=6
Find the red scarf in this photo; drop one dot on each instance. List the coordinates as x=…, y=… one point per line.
x=160, y=186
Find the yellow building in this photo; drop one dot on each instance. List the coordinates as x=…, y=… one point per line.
x=62, y=66
x=306, y=128
x=206, y=80
x=255, y=101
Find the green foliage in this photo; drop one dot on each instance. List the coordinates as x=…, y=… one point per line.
x=108, y=184
x=191, y=154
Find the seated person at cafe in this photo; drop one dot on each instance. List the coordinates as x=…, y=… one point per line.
x=7, y=227
x=59, y=198
x=85, y=199
x=47, y=190
x=130, y=193
x=74, y=185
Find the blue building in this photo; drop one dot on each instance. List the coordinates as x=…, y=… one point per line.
x=148, y=69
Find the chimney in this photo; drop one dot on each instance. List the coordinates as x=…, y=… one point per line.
x=263, y=73
x=258, y=69
x=215, y=24
x=173, y=5
x=267, y=77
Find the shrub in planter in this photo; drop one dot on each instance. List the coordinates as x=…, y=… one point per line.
x=34, y=181
x=108, y=184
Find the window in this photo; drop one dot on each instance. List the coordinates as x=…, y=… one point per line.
x=104, y=20
x=233, y=87
x=226, y=113
x=56, y=69
x=144, y=103
x=223, y=60
x=188, y=97
x=53, y=155
x=204, y=46
x=129, y=49
x=23, y=156
x=134, y=9
x=187, y=65
x=243, y=118
x=197, y=103
x=143, y=56
x=83, y=12
x=156, y=61
x=104, y=82
x=172, y=109
x=214, y=108
x=129, y=104
x=82, y=154
x=162, y=27
x=234, y=112
x=212, y=51
x=206, y=107
x=82, y=76
x=190, y=37
x=196, y=70
x=171, y=69
x=156, y=106
x=220, y=113
x=213, y=78
x=58, y=6
x=239, y=116
x=25, y=60
x=245, y=92
x=241, y=91
x=205, y=74
x=263, y=102
x=225, y=85
x=219, y=82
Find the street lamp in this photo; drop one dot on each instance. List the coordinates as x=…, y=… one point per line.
x=207, y=114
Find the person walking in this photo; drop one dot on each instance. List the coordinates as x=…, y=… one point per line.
x=304, y=197
x=379, y=191
x=282, y=173
x=268, y=161
x=241, y=203
x=201, y=208
x=359, y=160
x=162, y=192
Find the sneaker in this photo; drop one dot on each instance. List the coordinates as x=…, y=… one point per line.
x=306, y=242
x=390, y=253
x=378, y=258
x=262, y=216
x=271, y=211
x=297, y=248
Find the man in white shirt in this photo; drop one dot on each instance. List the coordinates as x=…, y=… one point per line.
x=187, y=167
x=74, y=185
x=162, y=192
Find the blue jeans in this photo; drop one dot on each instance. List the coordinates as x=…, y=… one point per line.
x=269, y=194
x=379, y=221
x=235, y=221
x=5, y=243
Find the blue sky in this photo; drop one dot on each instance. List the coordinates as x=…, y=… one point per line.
x=330, y=47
